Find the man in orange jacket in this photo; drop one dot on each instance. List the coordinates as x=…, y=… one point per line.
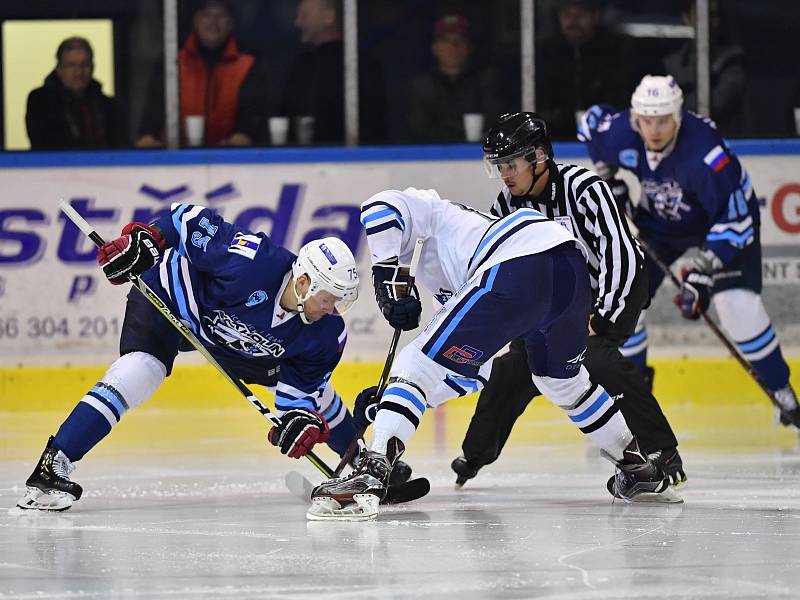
x=217, y=81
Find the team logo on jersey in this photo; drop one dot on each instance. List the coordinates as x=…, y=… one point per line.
x=629, y=157
x=464, y=355
x=575, y=363
x=664, y=198
x=245, y=245
x=328, y=254
x=256, y=297
x=240, y=337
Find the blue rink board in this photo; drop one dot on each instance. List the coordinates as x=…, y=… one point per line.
x=242, y=156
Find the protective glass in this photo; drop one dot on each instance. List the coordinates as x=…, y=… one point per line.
x=326, y=300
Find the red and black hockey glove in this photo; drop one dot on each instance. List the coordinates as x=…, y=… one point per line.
x=695, y=295
x=138, y=248
x=299, y=430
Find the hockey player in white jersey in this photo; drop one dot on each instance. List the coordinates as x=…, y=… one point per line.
x=270, y=317
x=496, y=279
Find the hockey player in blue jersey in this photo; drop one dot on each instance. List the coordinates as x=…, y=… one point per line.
x=268, y=316
x=495, y=280
x=695, y=193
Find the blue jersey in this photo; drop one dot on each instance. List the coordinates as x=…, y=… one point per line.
x=695, y=193
x=225, y=283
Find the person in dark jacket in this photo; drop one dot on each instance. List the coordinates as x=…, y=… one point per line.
x=583, y=64
x=70, y=110
x=440, y=97
x=315, y=81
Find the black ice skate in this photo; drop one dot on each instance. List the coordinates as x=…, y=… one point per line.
x=465, y=469
x=356, y=497
x=49, y=487
x=638, y=475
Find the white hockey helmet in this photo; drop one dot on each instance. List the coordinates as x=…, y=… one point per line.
x=330, y=267
x=657, y=95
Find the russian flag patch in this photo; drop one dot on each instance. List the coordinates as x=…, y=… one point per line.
x=717, y=159
x=245, y=244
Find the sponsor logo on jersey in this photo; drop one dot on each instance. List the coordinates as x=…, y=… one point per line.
x=328, y=254
x=240, y=337
x=245, y=244
x=629, y=157
x=575, y=363
x=464, y=355
x=717, y=159
x=256, y=297
x=566, y=223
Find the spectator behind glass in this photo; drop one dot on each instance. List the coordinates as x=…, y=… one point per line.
x=70, y=110
x=727, y=67
x=217, y=81
x=315, y=81
x=440, y=97
x=581, y=65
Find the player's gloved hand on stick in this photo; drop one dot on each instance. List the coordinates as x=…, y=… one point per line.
x=365, y=408
x=138, y=248
x=695, y=295
x=299, y=430
x=622, y=196
x=399, y=305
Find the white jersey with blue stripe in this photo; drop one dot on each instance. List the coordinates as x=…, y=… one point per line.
x=460, y=242
x=225, y=283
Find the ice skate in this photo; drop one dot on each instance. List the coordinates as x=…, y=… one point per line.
x=49, y=487
x=465, y=470
x=356, y=497
x=639, y=479
x=787, y=407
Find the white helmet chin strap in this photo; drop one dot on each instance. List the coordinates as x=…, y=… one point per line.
x=301, y=301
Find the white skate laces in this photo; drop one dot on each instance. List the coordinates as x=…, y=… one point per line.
x=786, y=398
x=62, y=466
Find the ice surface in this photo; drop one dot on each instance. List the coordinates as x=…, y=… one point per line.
x=209, y=519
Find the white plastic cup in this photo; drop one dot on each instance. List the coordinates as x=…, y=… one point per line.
x=195, y=129
x=473, y=127
x=278, y=130
x=304, y=125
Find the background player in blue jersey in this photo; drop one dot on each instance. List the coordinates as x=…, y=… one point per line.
x=695, y=193
x=268, y=316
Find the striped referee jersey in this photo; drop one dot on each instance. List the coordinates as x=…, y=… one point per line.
x=579, y=200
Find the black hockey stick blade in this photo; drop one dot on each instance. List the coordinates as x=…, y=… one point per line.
x=413, y=489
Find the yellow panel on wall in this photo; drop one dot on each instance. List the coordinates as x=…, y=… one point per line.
x=29, y=55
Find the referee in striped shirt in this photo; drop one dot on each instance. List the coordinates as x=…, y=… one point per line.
x=518, y=150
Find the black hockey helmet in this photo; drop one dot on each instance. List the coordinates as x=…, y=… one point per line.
x=517, y=134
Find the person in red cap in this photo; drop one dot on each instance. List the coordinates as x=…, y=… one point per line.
x=439, y=97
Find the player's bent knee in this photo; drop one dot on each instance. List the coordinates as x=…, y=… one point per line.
x=564, y=393
x=136, y=376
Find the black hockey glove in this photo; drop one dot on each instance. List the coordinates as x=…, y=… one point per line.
x=695, y=294
x=399, y=305
x=138, y=248
x=299, y=430
x=365, y=408
x=623, y=197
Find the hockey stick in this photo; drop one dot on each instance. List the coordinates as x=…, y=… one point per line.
x=187, y=333
x=726, y=341
x=387, y=366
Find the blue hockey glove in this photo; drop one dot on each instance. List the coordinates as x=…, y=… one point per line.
x=695, y=295
x=138, y=248
x=365, y=408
